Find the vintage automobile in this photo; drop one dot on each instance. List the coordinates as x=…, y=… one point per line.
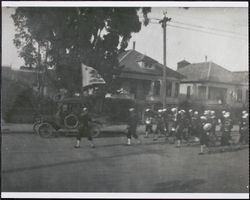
x=65, y=120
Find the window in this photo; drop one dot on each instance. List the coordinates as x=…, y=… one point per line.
x=157, y=86
x=202, y=92
x=177, y=88
x=239, y=95
x=188, y=91
x=146, y=65
x=215, y=93
x=141, y=64
x=133, y=87
x=146, y=87
x=168, y=88
x=247, y=97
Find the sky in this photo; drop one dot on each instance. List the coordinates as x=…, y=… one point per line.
x=227, y=47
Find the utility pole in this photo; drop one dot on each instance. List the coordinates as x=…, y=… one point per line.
x=163, y=23
x=40, y=86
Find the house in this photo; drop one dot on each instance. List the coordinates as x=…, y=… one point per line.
x=210, y=85
x=19, y=92
x=29, y=78
x=242, y=78
x=141, y=78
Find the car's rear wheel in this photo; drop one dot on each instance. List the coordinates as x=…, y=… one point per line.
x=45, y=130
x=95, y=130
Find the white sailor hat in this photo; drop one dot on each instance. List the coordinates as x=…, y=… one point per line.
x=206, y=112
x=244, y=111
x=203, y=118
x=245, y=116
x=227, y=114
x=131, y=109
x=182, y=111
x=164, y=110
x=196, y=112
x=174, y=109
x=190, y=110
x=212, y=112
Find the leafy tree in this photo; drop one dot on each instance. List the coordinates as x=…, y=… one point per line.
x=71, y=36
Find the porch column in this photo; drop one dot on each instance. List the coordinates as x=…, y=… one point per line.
x=207, y=89
x=151, y=90
x=195, y=90
x=173, y=89
x=243, y=95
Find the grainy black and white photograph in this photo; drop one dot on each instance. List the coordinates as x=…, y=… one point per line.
x=129, y=98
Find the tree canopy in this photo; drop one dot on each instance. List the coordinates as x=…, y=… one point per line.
x=69, y=36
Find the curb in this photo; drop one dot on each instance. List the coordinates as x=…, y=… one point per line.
x=8, y=131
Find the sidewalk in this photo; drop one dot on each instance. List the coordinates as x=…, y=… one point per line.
x=28, y=128
x=16, y=128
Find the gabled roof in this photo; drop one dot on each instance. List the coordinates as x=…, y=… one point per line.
x=206, y=71
x=241, y=76
x=130, y=61
x=184, y=61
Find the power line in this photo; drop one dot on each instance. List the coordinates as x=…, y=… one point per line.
x=199, y=26
x=193, y=29
x=212, y=33
x=203, y=27
x=214, y=20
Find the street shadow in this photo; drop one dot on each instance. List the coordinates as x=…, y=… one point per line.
x=95, y=157
x=178, y=186
x=219, y=149
x=103, y=134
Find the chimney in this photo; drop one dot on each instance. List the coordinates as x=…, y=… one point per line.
x=133, y=45
x=182, y=64
x=205, y=58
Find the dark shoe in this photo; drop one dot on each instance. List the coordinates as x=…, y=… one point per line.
x=201, y=153
x=77, y=146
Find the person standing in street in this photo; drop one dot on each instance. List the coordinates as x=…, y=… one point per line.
x=165, y=114
x=195, y=124
x=190, y=115
x=148, y=122
x=181, y=127
x=244, y=128
x=132, y=125
x=160, y=125
x=204, y=129
x=226, y=130
x=84, y=128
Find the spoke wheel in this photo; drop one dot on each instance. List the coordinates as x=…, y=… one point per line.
x=71, y=121
x=95, y=130
x=45, y=130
